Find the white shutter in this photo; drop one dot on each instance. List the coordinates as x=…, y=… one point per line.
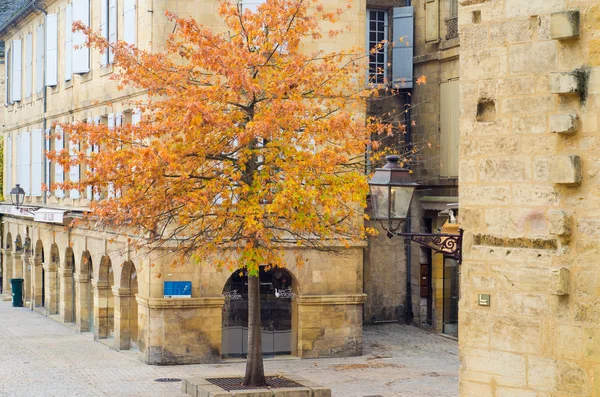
x=52, y=50
x=129, y=21
x=81, y=55
x=136, y=116
x=111, y=124
x=6, y=83
x=39, y=59
x=104, y=28
x=68, y=42
x=26, y=162
x=28, y=64
x=19, y=159
x=119, y=119
x=47, y=146
x=17, y=67
x=111, y=120
x=37, y=158
x=9, y=168
x=59, y=175
x=74, y=171
x=112, y=27
x=251, y=5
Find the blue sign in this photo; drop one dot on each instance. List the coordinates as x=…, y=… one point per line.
x=178, y=289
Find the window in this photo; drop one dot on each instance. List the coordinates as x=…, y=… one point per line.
x=68, y=42
x=452, y=21
x=108, y=27
x=16, y=70
x=377, y=37
x=28, y=64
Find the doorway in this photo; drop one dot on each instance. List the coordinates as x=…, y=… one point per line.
x=276, y=293
x=451, y=295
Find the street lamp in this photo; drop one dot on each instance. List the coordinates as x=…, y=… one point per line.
x=392, y=189
x=17, y=196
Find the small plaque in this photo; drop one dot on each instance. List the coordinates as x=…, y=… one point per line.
x=483, y=300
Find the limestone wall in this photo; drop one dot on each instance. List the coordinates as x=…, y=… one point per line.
x=529, y=198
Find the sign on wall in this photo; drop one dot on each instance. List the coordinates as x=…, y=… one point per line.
x=178, y=289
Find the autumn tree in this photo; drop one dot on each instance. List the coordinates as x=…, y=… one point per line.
x=250, y=145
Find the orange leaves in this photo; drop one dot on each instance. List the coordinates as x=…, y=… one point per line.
x=243, y=149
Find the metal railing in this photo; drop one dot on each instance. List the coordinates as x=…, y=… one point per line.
x=452, y=28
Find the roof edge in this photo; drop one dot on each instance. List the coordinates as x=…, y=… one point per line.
x=20, y=12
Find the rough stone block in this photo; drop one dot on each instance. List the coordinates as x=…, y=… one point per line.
x=565, y=170
x=559, y=222
x=564, y=123
x=252, y=393
x=564, y=83
x=564, y=25
x=559, y=282
x=293, y=392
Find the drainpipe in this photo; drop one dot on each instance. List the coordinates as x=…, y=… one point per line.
x=45, y=104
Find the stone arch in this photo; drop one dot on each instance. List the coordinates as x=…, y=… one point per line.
x=38, y=274
x=7, y=271
x=104, y=308
x=85, y=296
x=280, y=331
x=126, y=308
x=67, y=287
x=52, y=281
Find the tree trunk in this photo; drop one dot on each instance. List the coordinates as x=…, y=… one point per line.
x=255, y=372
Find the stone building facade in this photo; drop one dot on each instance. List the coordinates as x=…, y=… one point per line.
x=91, y=278
x=529, y=195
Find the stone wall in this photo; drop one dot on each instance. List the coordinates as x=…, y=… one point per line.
x=530, y=176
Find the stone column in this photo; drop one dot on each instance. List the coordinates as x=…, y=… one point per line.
x=50, y=295
x=103, y=312
x=7, y=270
x=17, y=264
x=126, y=317
x=26, y=260
x=66, y=295
x=36, y=282
x=82, y=308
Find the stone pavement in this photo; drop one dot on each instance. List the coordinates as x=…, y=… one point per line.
x=41, y=357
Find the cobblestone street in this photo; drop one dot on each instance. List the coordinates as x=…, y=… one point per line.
x=40, y=357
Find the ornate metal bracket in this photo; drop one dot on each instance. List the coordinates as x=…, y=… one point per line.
x=446, y=244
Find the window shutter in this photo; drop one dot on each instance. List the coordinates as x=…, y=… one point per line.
x=52, y=50
x=129, y=21
x=37, y=158
x=39, y=59
x=119, y=119
x=19, y=159
x=26, y=162
x=46, y=159
x=74, y=171
x=59, y=176
x=6, y=81
x=9, y=157
x=28, y=65
x=136, y=116
x=16, y=70
x=112, y=27
x=104, y=28
x=449, y=128
x=432, y=17
x=68, y=42
x=251, y=5
x=402, y=51
x=81, y=55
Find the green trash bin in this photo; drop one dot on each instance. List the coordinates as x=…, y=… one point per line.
x=17, y=291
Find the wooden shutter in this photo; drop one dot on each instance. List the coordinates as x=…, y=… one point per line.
x=39, y=59
x=9, y=167
x=136, y=116
x=25, y=154
x=59, y=173
x=432, y=19
x=68, y=42
x=112, y=27
x=16, y=70
x=37, y=159
x=81, y=53
x=52, y=50
x=449, y=128
x=6, y=79
x=129, y=21
x=28, y=65
x=104, y=28
x=403, y=50
x=48, y=180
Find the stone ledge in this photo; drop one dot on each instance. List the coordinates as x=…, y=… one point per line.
x=319, y=300
x=200, y=387
x=180, y=303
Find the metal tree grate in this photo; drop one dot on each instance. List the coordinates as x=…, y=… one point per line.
x=273, y=382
